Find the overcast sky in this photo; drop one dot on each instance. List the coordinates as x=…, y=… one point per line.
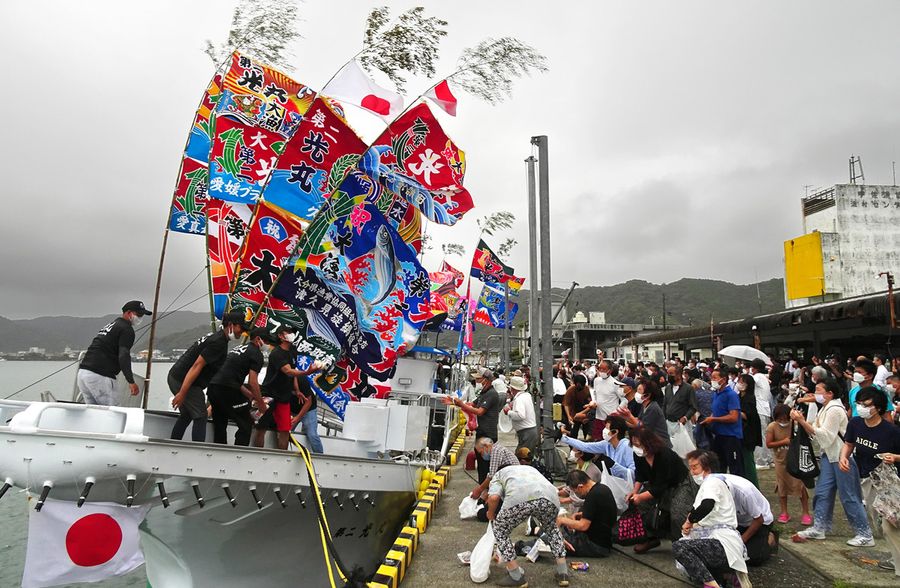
x=681, y=133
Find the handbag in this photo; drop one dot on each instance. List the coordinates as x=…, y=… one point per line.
x=801, y=459
x=630, y=528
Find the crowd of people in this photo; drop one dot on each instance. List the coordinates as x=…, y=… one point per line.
x=209, y=381
x=672, y=452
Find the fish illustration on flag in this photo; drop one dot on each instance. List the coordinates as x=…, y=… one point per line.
x=491, y=309
x=314, y=162
x=228, y=225
x=415, y=160
x=458, y=276
x=369, y=287
x=189, y=200
x=487, y=267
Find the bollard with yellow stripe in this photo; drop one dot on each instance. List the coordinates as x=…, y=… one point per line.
x=387, y=576
x=410, y=533
x=422, y=515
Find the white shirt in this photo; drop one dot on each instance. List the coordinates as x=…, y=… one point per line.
x=881, y=376
x=721, y=522
x=559, y=387
x=518, y=484
x=763, y=393
x=521, y=411
x=608, y=396
x=748, y=500
x=501, y=388
x=831, y=420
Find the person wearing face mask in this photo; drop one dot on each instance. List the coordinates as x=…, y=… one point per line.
x=614, y=448
x=229, y=397
x=108, y=354
x=663, y=490
x=778, y=439
x=494, y=456
x=710, y=540
x=282, y=385
x=828, y=431
x=192, y=372
x=606, y=397
x=892, y=388
x=680, y=401
x=752, y=434
x=867, y=436
x=863, y=377
x=589, y=532
x=650, y=399
x=726, y=423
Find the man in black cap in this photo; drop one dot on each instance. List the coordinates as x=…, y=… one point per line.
x=230, y=397
x=193, y=372
x=283, y=384
x=109, y=354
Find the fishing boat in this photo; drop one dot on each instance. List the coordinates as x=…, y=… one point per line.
x=231, y=516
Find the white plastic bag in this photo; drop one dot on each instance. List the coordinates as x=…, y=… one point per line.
x=504, y=422
x=480, y=560
x=682, y=443
x=468, y=508
x=619, y=487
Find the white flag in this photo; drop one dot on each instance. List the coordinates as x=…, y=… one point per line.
x=443, y=97
x=354, y=86
x=67, y=544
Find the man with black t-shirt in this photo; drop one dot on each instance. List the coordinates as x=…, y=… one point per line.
x=282, y=385
x=109, y=354
x=193, y=371
x=589, y=533
x=230, y=397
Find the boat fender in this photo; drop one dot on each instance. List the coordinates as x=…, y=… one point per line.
x=196, y=486
x=337, y=498
x=256, y=497
x=228, y=495
x=162, y=493
x=7, y=484
x=299, y=493
x=88, y=484
x=352, y=498
x=365, y=497
x=277, y=491
x=130, y=479
x=48, y=486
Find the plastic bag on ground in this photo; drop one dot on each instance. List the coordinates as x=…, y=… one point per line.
x=480, y=560
x=682, y=442
x=468, y=508
x=619, y=487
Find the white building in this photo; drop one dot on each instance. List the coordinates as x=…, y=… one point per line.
x=851, y=234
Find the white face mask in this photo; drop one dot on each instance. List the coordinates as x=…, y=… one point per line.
x=783, y=425
x=638, y=451
x=864, y=412
x=136, y=320
x=714, y=385
x=232, y=336
x=639, y=398
x=290, y=337
x=607, y=434
x=741, y=387
x=698, y=478
x=603, y=375
x=820, y=398
x=858, y=378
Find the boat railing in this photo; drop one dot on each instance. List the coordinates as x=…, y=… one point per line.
x=113, y=421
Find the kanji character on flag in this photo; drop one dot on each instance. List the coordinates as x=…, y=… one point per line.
x=67, y=544
x=352, y=85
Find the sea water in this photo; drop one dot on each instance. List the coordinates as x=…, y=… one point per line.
x=57, y=377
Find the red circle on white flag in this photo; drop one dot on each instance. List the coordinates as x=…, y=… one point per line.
x=93, y=540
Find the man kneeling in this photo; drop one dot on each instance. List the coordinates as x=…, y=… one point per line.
x=589, y=532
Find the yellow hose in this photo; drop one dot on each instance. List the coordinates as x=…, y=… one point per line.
x=323, y=522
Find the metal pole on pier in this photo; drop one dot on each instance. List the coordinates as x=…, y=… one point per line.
x=533, y=289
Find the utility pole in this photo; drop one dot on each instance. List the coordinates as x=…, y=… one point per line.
x=665, y=342
x=534, y=290
x=890, y=283
x=551, y=458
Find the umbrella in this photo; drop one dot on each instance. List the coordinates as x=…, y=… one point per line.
x=745, y=352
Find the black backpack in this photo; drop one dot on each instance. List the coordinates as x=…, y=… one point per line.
x=801, y=459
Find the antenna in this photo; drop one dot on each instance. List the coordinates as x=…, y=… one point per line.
x=856, y=162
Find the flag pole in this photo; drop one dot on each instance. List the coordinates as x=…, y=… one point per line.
x=506, y=326
x=212, y=304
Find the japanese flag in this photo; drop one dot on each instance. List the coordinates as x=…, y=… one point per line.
x=352, y=85
x=68, y=544
x=443, y=97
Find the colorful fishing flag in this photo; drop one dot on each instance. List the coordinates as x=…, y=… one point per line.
x=189, y=200
x=443, y=97
x=242, y=157
x=491, y=309
x=415, y=159
x=227, y=229
x=515, y=284
x=487, y=267
x=314, y=162
x=458, y=276
x=352, y=85
x=271, y=240
x=266, y=97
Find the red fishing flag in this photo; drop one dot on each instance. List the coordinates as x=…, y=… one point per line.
x=227, y=228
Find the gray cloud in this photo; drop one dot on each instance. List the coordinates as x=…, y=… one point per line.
x=681, y=133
